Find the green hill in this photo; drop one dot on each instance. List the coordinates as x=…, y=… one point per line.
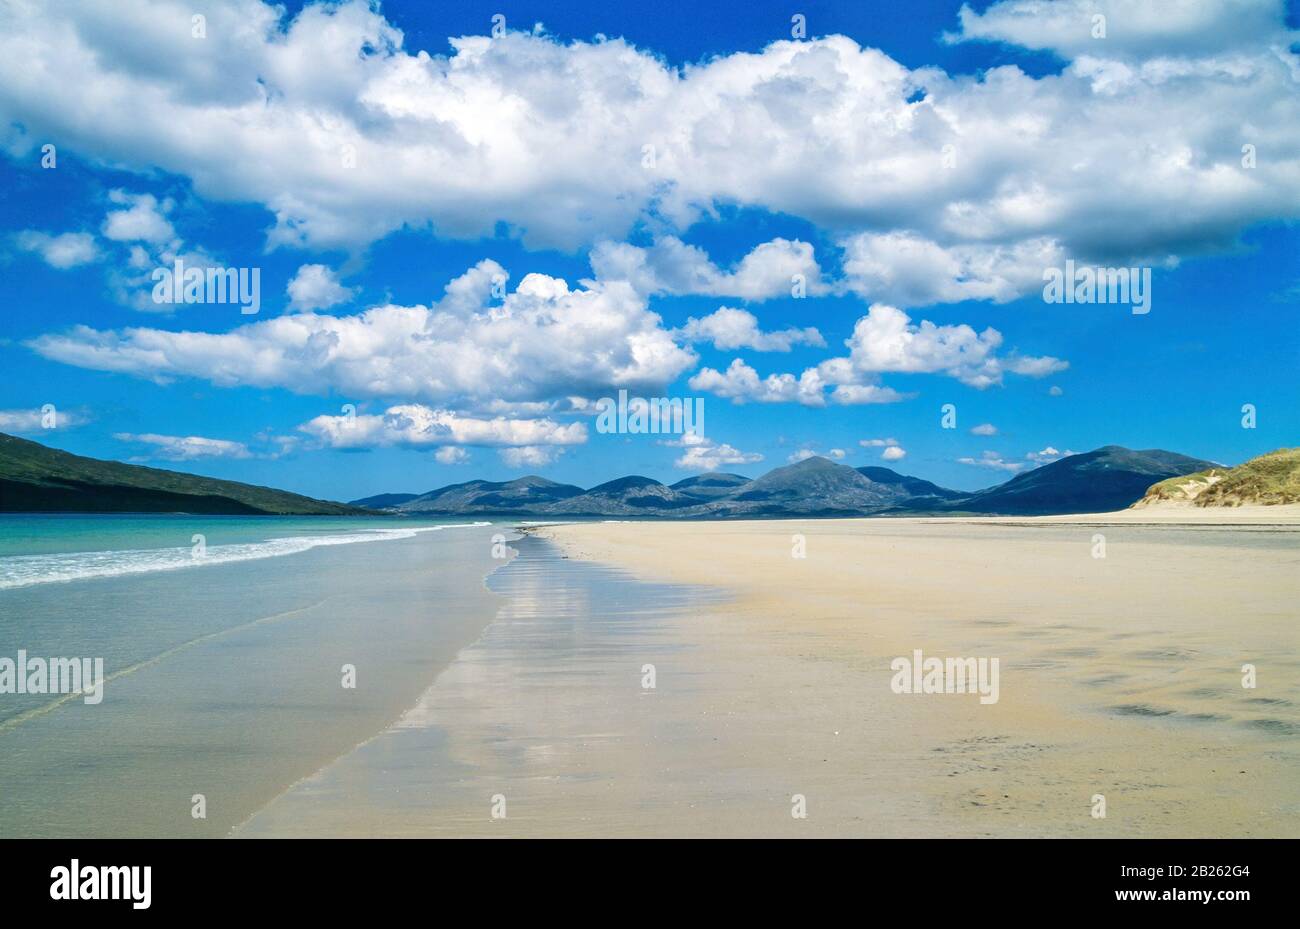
x=37, y=479
x=1268, y=480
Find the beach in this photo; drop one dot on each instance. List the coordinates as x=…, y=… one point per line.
x=1120, y=710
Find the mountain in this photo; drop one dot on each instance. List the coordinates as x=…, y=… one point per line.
x=1268, y=480
x=812, y=487
x=518, y=497
x=38, y=479
x=912, y=486
x=382, y=501
x=626, y=496
x=1109, y=478
x=710, y=486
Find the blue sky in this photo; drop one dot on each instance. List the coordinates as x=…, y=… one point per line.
x=525, y=154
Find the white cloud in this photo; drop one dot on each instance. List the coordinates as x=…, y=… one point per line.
x=345, y=135
x=1055, y=391
x=24, y=421
x=142, y=220
x=316, y=287
x=905, y=269
x=803, y=454
x=741, y=383
x=451, y=455
x=877, y=443
x=1048, y=455
x=64, y=251
x=185, y=448
x=530, y=456
x=670, y=266
x=994, y=461
x=893, y=453
x=886, y=340
x=729, y=329
x=415, y=425
x=984, y=429
x=703, y=454
x=543, y=342
x=883, y=341
x=858, y=394
x=1152, y=27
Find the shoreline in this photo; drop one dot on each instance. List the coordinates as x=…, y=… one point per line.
x=521, y=713
x=231, y=682
x=773, y=683
x=395, y=721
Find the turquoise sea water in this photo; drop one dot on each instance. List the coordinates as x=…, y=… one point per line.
x=223, y=656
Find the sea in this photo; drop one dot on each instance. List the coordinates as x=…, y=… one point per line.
x=240, y=654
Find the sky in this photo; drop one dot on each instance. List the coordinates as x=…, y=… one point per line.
x=832, y=224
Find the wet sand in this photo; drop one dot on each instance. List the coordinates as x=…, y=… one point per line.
x=1120, y=676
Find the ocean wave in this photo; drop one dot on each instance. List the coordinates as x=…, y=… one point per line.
x=26, y=570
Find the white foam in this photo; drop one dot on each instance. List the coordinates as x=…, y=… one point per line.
x=26, y=570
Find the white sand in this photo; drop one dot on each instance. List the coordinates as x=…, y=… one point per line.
x=1121, y=676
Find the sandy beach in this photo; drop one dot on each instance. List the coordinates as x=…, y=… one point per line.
x=1121, y=677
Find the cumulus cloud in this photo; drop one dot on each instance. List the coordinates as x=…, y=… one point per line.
x=415, y=425
x=892, y=450
x=67, y=250
x=327, y=119
x=994, y=461
x=703, y=454
x=729, y=328
x=905, y=269
x=451, y=455
x=1048, y=455
x=984, y=429
x=184, y=448
x=316, y=287
x=742, y=384
x=670, y=266
x=140, y=220
x=886, y=340
x=530, y=456
x=543, y=342
x=803, y=454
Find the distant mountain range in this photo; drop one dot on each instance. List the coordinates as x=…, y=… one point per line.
x=1268, y=480
x=1110, y=478
x=37, y=479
